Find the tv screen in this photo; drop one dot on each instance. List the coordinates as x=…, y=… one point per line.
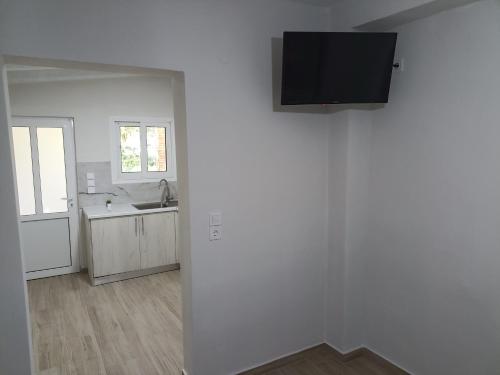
x=333, y=68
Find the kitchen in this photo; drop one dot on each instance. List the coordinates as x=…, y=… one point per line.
x=96, y=164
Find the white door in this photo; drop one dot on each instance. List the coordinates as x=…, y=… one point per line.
x=44, y=158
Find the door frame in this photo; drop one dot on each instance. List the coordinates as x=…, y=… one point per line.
x=24, y=351
x=67, y=123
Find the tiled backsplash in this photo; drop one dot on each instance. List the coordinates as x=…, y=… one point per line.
x=125, y=193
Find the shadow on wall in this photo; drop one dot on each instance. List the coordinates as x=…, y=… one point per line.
x=277, y=64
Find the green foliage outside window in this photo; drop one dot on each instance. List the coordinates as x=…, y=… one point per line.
x=130, y=141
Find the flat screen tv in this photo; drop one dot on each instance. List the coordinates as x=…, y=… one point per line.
x=335, y=68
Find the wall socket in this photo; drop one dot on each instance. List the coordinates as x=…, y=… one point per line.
x=215, y=233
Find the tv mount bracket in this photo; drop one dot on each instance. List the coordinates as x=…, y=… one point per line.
x=399, y=65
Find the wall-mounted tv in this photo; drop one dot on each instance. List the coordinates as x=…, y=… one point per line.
x=335, y=68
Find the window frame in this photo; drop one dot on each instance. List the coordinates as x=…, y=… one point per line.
x=119, y=177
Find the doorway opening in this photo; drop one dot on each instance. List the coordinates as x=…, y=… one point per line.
x=100, y=161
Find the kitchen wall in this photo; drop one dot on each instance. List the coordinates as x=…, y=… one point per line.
x=91, y=102
x=258, y=293
x=118, y=193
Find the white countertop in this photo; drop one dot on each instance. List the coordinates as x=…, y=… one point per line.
x=124, y=209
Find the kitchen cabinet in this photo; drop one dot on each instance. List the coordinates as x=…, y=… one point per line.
x=115, y=245
x=119, y=248
x=157, y=240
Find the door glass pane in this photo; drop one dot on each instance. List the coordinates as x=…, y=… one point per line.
x=52, y=169
x=24, y=170
x=130, y=149
x=157, y=149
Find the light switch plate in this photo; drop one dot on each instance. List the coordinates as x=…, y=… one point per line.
x=215, y=218
x=215, y=233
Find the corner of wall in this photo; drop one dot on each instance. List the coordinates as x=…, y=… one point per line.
x=336, y=224
x=348, y=171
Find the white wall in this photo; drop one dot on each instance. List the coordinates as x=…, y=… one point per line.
x=256, y=294
x=335, y=280
x=15, y=343
x=91, y=103
x=358, y=163
x=349, y=156
x=429, y=246
x=433, y=251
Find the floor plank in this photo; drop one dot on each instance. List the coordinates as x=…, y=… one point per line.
x=128, y=327
x=323, y=360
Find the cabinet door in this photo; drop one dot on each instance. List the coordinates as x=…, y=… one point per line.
x=157, y=240
x=115, y=245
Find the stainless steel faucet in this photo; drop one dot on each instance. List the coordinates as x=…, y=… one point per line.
x=165, y=194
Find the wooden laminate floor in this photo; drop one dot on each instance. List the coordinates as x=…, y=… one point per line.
x=323, y=360
x=130, y=327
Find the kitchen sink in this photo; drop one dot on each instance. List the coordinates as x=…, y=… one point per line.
x=154, y=205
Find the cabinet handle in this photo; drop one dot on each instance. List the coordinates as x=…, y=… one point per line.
x=142, y=225
x=136, y=227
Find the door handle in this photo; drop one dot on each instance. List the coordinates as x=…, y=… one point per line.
x=69, y=201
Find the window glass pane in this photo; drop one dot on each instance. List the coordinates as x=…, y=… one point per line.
x=52, y=169
x=24, y=170
x=157, y=149
x=130, y=149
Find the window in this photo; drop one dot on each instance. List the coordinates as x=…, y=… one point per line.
x=24, y=170
x=52, y=169
x=40, y=162
x=143, y=149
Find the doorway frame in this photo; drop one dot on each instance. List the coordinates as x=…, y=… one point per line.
x=180, y=118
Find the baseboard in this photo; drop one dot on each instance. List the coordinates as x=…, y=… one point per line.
x=347, y=355
x=279, y=361
x=365, y=351
x=95, y=281
x=343, y=356
x=379, y=357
